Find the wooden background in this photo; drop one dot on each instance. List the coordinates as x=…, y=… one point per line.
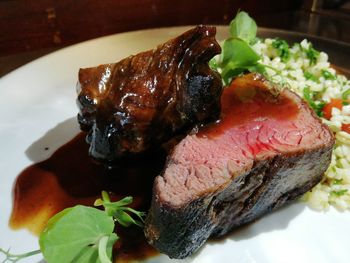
x=39, y=24
x=32, y=28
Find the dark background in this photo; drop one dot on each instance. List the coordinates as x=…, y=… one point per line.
x=32, y=28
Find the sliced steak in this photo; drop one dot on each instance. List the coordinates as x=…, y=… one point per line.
x=144, y=100
x=267, y=149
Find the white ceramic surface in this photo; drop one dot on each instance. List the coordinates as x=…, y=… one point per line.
x=40, y=96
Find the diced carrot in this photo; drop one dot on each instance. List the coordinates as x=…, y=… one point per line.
x=327, y=109
x=345, y=127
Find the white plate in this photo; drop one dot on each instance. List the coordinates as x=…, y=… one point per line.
x=40, y=95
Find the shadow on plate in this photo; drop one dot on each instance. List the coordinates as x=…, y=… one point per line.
x=45, y=146
x=277, y=220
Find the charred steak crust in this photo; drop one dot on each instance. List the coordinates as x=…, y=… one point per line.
x=178, y=226
x=179, y=232
x=146, y=99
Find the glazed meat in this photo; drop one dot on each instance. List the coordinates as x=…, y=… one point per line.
x=267, y=149
x=146, y=99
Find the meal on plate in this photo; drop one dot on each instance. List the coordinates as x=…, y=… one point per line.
x=246, y=132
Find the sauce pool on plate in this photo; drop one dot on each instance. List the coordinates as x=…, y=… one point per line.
x=69, y=177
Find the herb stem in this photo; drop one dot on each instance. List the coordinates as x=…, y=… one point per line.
x=102, y=250
x=273, y=68
x=105, y=197
x=17, y=257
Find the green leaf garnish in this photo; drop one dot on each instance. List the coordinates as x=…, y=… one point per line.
x=312, y=54
x=213, y=63
x=317, y=106
x=237, y=55
x=119, y=210
x=337, y=181
x=310, y=76
x=282, y=48
x=243, y=27
x=83, y=234
x=339, y=193
x=327, y=75
x=345, y=94
x=73, y=235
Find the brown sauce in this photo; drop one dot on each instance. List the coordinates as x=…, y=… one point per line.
x=69, y=177
x=243, y=104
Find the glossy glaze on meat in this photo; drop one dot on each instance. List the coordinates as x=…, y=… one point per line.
x=145, y=99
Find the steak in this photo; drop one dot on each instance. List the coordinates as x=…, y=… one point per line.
x=267, y=149
x=144, y=100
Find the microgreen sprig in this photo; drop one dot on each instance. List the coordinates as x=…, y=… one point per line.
x=17, y=257
x=83, y=234
x=237, y=54
x=120, y=211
